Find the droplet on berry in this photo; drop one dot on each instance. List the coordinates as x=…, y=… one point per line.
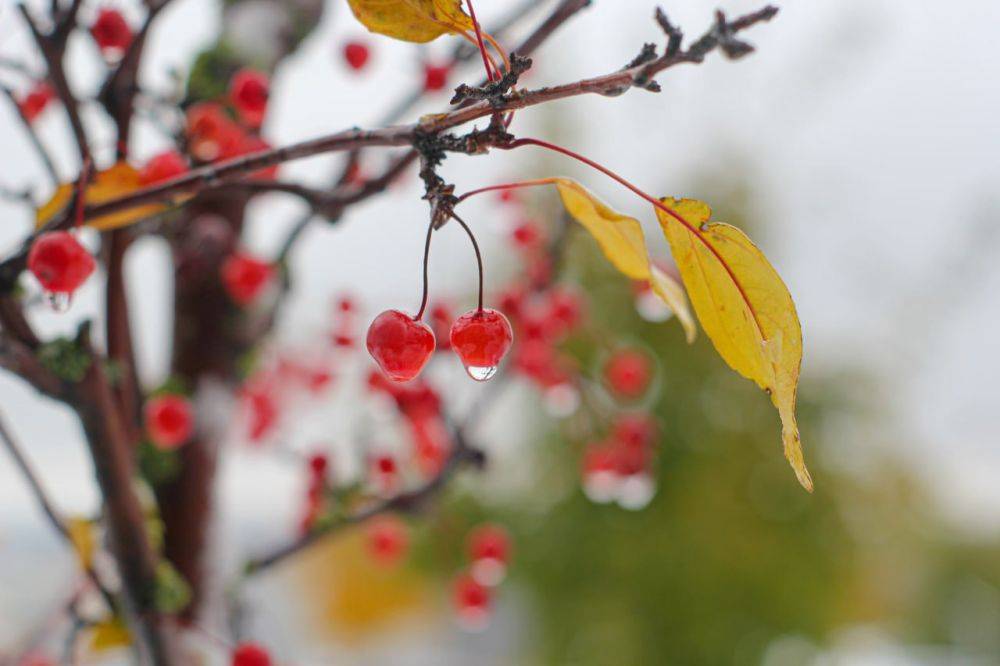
x=481, y=338
x=245, y=277
x=249, y=90
x=60, y=263
x=400, y=344
x=636, y=491
x=650, y=306
x=356, y=54
x=169, y=421
x=489, y=550
x=251, y=654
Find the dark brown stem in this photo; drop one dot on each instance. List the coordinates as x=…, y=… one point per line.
x=119, y=335
x=479, y=255
x=33, y=482
x=427, y=255
x=29, y=129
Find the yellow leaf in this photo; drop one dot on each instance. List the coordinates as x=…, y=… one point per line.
x=412, y=20
x=119, y=180
x=109, y=635
x=81, y=535
x=624, y=244
x=744, y=307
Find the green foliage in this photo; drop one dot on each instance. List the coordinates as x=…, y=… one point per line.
x=173, y=593
x=156, y=465
x=65, y=359
x=211, y=71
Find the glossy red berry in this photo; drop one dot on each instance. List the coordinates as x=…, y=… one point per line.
x=251, y=654
x=481, y=338
x=388, y=539
x=628, y=373
x=169, y=420
x=36, y=100
x=60, y=262
x=245, y=277
x=400, y=344
x=162, y=167
x=435, y=77
x=249, y=90
x=111, y=32
x=356, y=54
x=472, y=602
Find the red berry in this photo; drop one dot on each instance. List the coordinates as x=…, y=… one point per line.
x=166, y=165
x=441, y=318
x=263, y=412
x=169, y=421
x=507, y=195
x=628, y=373
x=111, y=32
x=60, y=262
x=489, y=542
x=472, y=602
x=481, y=338
x=245, y=277
x=318, y=464
x=565, y=308
x=435, y=77
x=356, y=54
x=248, y=92
x=388, y=539
x=400, y=344
x=636, y=431
x=37, y=100
x=526, y=234
x=250, y=654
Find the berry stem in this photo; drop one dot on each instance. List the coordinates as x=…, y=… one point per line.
x=507, y=186
x=479, y=256
x=81, y=190
x=427, y=254
x=651, y=199
x=479, y=39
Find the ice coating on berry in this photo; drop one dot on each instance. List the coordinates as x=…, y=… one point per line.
x=400, y=345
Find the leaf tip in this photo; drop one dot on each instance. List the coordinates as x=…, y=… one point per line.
x=793, y=453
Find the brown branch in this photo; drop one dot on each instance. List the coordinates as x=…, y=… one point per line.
x=53, y=49
x=119, y=334
x=33, y=482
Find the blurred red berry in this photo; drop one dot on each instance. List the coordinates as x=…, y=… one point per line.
x=59, y=262
x=441, y=318
x=251, y=654
x=169, y=420
x=262, y=412
x=37, y=100
x=388, y=538
x=161, y=167
x=435, y=77
x=356, y=55
x=318, y=464
x=245, y=277
x=111, y=32
x=628, y=373
x=526, y=235
x=472, y=602
x=249, y=90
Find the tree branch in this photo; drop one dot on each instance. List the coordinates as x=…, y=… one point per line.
x=36, y=142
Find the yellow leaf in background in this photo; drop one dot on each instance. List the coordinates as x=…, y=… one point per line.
x=109, y=635
x=623, y=243
x=109, y=184
x=744, y=307
x=81, y=535
x=412, y=20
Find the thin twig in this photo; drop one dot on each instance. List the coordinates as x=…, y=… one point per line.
x=36, y=141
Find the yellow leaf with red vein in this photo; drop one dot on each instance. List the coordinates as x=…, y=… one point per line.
x=112, y=183
x=81, y=536
x=623, y=243
x=109, y=635
x=744, y=307
x=412, y=20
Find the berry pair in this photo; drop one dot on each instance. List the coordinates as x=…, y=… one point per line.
x=402, y=345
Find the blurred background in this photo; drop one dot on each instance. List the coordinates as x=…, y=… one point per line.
x=858, y=146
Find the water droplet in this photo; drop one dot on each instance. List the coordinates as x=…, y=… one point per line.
x=636, y=492
x=488, y=571
x=481, y=373
x=561, y=400
x=601, y=487
x=60, y=301
x=651, y=308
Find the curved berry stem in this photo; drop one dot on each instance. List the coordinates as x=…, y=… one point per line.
x=507, y=186
x=479, y=39
x=479, y=255
x=427, y=254
x=651, y=199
